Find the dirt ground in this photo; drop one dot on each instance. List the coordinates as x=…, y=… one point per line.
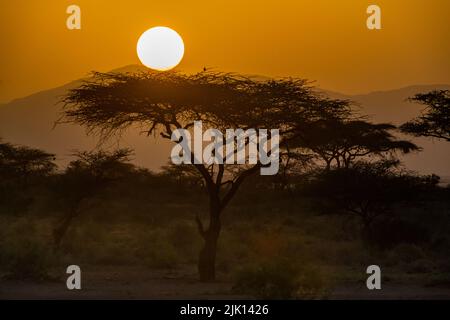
x=141, y=283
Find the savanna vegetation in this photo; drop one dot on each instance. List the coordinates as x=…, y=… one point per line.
x=340, y=201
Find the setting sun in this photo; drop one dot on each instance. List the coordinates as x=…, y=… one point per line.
x=160, y=48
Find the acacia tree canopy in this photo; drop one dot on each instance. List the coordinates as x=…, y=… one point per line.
x=371, y=190
x=23, y=162
x=435, y=118
x=111, y=102
x=345, y=141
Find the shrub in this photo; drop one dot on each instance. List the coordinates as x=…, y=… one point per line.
x=155, y=251
x=161, y=255
x=420, y=266
x=185, y=239
x=281, y=279
x=389, y=233
x=23, y=254
x=407, y=253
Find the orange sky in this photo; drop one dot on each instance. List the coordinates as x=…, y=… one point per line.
x=321, y=40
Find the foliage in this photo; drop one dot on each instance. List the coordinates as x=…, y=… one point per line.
x=24, y=162
x=346, y=141
x=91, y=172
x=24, y=254
x=368, y=190
x=435, y=118
x=21, y=169
x=84, y=177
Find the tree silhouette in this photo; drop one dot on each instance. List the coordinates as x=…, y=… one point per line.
x=162, y=102
x=368, y=191
x=22, y=163
x=21, y=169
x=346, y=141
x=84, y=177
x=435, y=118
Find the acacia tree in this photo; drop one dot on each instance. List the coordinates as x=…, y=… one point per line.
x=21, y=168
x=84, y=177
x=435, y=118
x=345, y=141
x=368, y=191
x=109, y=103
x=21, y=163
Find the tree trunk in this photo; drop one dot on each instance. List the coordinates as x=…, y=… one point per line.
x=328, y=167
x=207, y=257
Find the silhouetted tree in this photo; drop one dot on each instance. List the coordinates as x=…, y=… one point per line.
x=21, y=163
x=162, y=102
x=22, y=168
x=435, y=118
x=368, y=190
x=85, y=177
x=346, y=141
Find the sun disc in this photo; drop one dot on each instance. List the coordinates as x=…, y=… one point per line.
x=160, y=48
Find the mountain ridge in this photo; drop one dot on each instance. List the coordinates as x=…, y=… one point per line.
x=137, y=68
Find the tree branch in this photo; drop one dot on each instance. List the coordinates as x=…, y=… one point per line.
x=237, y=183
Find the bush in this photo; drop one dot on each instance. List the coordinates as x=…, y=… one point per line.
x=281, y=279
x=155, y=251
x=406, y=253
x=161, y=255
x=24, y=255
x=185, y=239
x=389, y=233
x=420, y=266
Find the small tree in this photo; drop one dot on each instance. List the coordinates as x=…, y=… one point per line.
x=22, y=168
x=435, y=118
x=367, y=191
x=85, y=177
x=164, y=102
x=21, y=163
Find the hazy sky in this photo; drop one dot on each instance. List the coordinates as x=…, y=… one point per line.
x=322, y=40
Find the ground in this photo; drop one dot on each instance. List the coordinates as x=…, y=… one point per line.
x=124, y=282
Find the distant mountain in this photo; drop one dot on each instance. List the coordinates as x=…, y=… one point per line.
x=30, y=121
